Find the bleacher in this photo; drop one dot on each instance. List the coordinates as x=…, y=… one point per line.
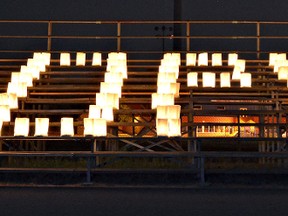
x=67, y=91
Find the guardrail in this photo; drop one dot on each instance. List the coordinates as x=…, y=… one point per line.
x=200, y=156
x=145, y=37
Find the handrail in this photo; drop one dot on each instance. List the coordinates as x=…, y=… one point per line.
x=201, y=156
x=118, y=33
x=146, y=21
x=154, y=138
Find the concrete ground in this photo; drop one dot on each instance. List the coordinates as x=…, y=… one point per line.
x=143, y=200
x=143, y=194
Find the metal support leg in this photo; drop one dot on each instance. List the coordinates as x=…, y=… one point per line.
x=202, y=170
x=96, y=147
x=88, y=173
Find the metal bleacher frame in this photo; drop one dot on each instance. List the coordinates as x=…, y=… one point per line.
x=267, y=97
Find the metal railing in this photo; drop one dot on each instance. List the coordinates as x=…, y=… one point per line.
x=200, y=170
x=146, y=37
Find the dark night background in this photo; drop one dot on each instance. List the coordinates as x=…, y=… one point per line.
x=275, y=10
x=113, y=10
x=130, y=201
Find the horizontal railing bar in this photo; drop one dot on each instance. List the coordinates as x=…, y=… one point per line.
x=95, y=170
x=153, y=111
x=132, y=37
x=144, y=21
x=141, y=51
x=150, y=138
x=153, y=124
x=137, y=100
x=203, y=154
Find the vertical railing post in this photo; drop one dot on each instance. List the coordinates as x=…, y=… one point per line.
x=49, y=40
x=190, y=120
x=192, y=143
x=188, y=36
x=258, y=40
x=88, y=173
x=118, y=36
x=202, y=170
x=238, y=125
x=96, y=147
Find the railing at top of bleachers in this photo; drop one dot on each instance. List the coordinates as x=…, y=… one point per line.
x=142, y=39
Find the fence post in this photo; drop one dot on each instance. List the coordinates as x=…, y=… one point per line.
x=258, y=40
x=202, y=170
x=188, y=36
x=192, y=144
x=118, y=36
x=49, y=36
x=88, y=173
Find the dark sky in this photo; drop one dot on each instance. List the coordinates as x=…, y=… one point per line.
x=235, y=9
x=86, y=9
x=251, y=10
x=144, y=9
